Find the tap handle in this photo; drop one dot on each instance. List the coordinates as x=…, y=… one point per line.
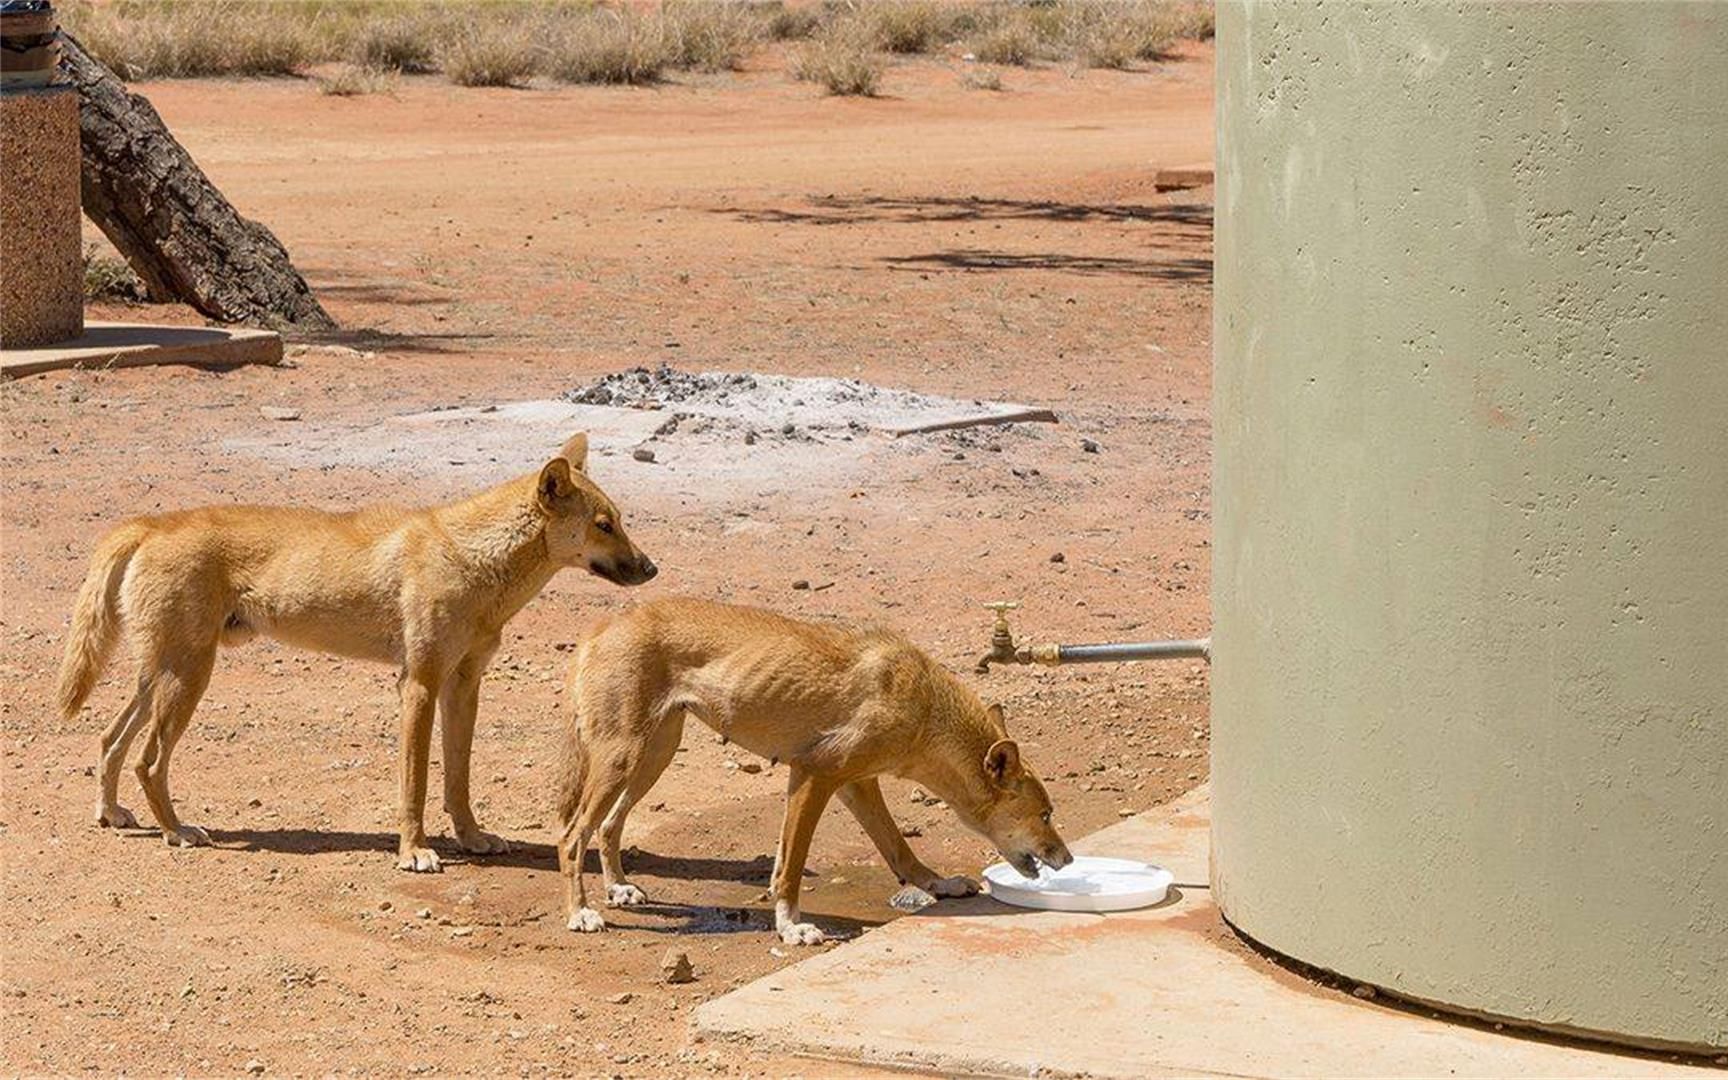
x=1001, y=607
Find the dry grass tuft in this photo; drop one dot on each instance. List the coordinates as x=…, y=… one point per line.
x=357, y=80
x=1006, y=41
x=608, y=47
x=406, y=42
x=1116, y=33
x=487, y=53
x=843, y=59
x=981, y=79
x=782, y=23
x=913, y=26
x=108, y=277
x=704, y=35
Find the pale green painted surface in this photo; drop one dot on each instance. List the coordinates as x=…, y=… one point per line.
x=1470, y=680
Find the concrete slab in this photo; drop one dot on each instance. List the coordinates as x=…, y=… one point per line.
x=115, y=345
x=977, y=987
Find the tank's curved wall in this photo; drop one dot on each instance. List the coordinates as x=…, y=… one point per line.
x=1470, y=682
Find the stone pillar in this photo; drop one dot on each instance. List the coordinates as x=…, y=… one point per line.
x=41, y=258
x=1470, y=582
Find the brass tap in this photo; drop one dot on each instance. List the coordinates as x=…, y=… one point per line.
x=1002, y=649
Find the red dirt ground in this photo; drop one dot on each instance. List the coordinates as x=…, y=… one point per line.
x=497, y=245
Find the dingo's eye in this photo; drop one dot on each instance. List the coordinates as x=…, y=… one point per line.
x=1045, y=816
x=605, y=526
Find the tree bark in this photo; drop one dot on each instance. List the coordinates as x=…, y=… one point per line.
x=186, y=241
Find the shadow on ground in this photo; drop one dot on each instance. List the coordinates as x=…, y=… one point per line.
x=862, y=209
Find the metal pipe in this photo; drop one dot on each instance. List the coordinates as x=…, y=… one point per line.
x=1135, y=650
x=1004, y=649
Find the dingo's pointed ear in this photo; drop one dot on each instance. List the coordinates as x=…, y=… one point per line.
x=576, y=451
x=1002, y=760
x=555, y=488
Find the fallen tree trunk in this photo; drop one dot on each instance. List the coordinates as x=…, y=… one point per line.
x=186, y=241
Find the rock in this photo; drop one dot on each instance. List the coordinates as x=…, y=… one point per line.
x=622, y=999
x=801, y=584
x=642, y=453
x=254, y=802
x=423, y=913
x=788, y=428
x=1058, y=557
x=675, y=967
x=749, y=438
x=911, y=898
x=462, y=931
x=751, y=767
x=385, y=905
x=255, y=1067
x=1088, y=446
x=911, y=831
x=1364, y=991
x=278, y=412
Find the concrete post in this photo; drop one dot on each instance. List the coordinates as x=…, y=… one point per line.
x=41, y=258
x=1470, y=645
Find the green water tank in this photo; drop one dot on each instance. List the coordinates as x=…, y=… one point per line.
x=1470, y=678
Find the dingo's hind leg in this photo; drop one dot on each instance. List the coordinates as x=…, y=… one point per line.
x=661, y=749
x=608, y=773
x=175, y=690
x=116, y=741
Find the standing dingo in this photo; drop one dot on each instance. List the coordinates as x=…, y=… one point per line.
x=426, y=590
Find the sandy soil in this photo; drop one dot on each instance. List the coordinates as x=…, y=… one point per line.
x=495, y=247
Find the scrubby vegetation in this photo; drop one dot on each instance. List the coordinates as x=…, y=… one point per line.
x=841, y=58
x=839, y=44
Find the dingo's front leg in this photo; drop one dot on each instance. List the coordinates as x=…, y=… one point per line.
x=864, y=799
x=459, y=704
x=806, y=795
x=419, y=699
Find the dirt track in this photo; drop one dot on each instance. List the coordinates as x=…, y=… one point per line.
x=498, y=246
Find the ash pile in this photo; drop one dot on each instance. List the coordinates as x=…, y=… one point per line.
x=780, y=407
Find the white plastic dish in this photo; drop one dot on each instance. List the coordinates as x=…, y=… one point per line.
x=1089, y=883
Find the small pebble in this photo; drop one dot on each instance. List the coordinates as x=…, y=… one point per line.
x=1088, y=446
x=642, y=453
x=751, y=767
x=277, y=412
x=622, y=999
x=675, y=967
x=911, y=898
x=255, y=1067
x=801, y=584
x=1364, y=991
x=1058, y=557
x=749, y=438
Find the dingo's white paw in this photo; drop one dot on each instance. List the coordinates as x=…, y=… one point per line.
x=958, y=885
x=624, y=894
x=188, y=836
x=420, y=860
x=115, y=817
x=802, y=933
x=477, y=842
x=586, y=921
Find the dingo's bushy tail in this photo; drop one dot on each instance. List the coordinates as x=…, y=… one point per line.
x=572, y=771
x=95, y=619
